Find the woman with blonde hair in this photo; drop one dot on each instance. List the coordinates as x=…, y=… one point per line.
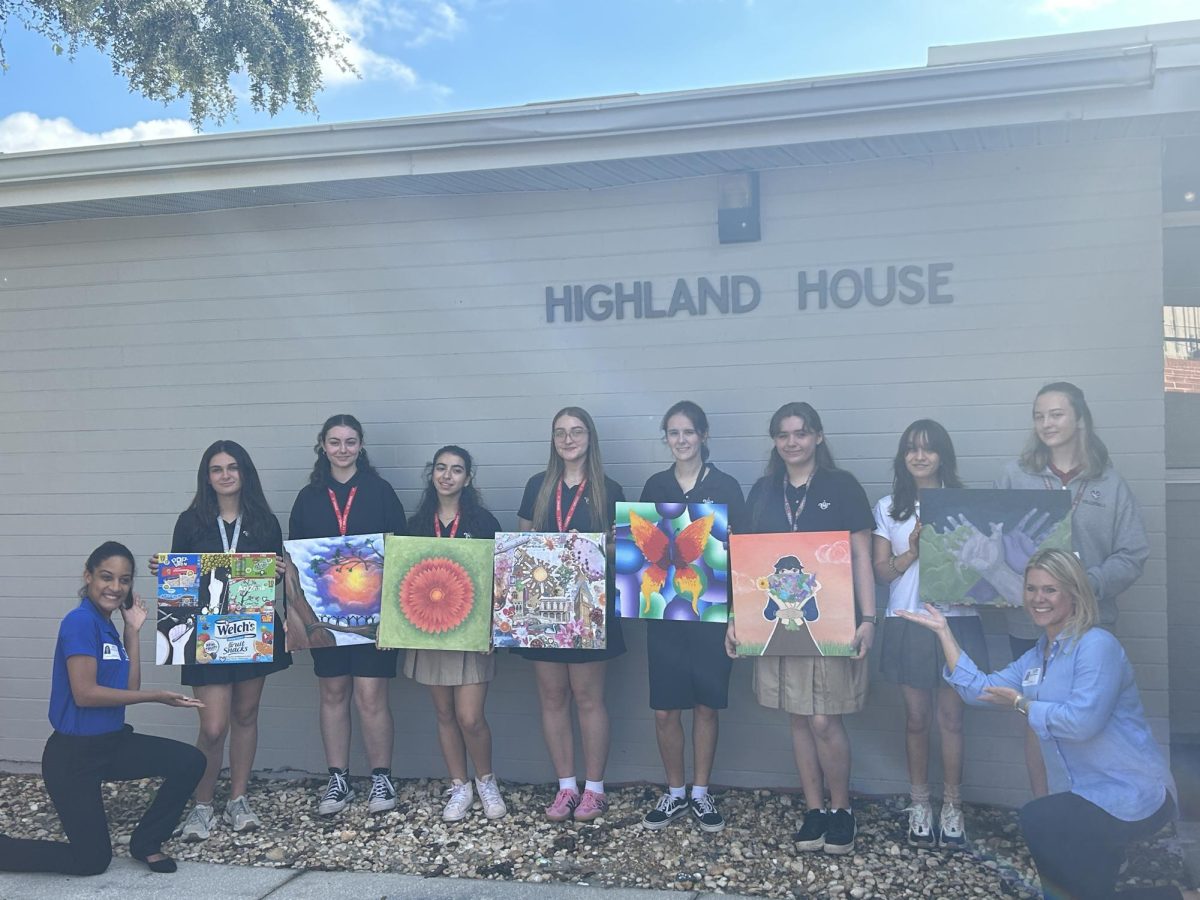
x=1076, y=688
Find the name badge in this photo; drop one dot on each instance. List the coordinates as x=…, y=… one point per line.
x=111, y=651
x=1032, y=677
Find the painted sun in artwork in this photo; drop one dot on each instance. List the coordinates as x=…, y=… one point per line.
x=436, y=595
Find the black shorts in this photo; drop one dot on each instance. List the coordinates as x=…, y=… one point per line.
x=912, y=654
x=688, y=664
x=359, y=660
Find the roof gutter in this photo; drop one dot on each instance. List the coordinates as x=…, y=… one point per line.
x=1078, y=84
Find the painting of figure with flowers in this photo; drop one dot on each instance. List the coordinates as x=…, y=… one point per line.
x=793, y=594
x=437, y=594
x=549, y=591
x=333, y=588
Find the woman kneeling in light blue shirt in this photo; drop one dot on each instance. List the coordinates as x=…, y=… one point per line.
x=1110, y=783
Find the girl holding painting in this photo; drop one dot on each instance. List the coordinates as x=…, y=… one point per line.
x=803, y=490
x=688, y=666
x=229, y=514
x=346, y=496
x=1107, y=531
x=574, y=494
x=458, y=680
x=911, y=655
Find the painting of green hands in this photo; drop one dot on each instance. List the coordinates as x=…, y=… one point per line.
x=975, y=543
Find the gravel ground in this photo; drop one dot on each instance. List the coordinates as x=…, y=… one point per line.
x=754, y=855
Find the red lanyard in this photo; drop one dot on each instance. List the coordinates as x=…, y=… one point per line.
x=437, y=524
x=342, y=515
x=1078, y=494
x=564, y=524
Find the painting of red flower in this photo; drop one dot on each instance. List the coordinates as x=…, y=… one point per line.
x=436, y=595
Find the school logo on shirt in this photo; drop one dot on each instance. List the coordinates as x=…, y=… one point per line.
x=824, y=504
x=111, y=651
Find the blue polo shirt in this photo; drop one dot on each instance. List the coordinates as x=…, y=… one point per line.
x=86, y=632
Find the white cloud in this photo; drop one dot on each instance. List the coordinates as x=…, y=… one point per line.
x=370, y=23
x=23, y=131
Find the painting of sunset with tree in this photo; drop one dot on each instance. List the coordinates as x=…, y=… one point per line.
x=333, y=590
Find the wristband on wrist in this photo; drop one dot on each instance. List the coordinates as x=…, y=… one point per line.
x=874, y=620
x=1021, y=704
x=892, y=565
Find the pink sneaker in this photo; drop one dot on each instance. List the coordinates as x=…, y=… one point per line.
x=592, y=806
x=564, y=804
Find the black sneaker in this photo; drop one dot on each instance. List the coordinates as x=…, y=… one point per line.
x=839, y=839
x=338, y=793
x=666, y=811
x=706, y=814
x=383, y=794
x=811, y=835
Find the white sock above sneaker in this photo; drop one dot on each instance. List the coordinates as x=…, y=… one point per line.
x=569, y=784
x=699, y=790
x=677, y=792
x=596, y=787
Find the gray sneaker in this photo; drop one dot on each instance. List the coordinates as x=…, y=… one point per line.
x=198, y=825
x=239, y=814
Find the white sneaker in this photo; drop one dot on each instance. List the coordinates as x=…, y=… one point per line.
x=239, y=814
x=953, y=834
x=198, y=825
x=489, y=794
x=920, y=826
x=462, y=798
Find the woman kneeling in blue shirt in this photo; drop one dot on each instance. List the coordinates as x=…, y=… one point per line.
x=1077, y=689
x=96, y=676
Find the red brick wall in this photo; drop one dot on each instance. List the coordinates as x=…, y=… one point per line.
x=1182, y=375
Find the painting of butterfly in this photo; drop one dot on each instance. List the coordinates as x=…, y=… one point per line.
x=672, y=561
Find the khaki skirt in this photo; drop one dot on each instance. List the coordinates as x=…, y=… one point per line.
x=811, y=685
x=449, y=668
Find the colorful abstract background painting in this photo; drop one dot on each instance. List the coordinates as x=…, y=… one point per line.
x=793, y=594
x=437, y=594
x=672, y=561
x=549, y=591
x=975, y=543
x=333, y=588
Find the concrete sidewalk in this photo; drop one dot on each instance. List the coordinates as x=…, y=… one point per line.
x=128, y=879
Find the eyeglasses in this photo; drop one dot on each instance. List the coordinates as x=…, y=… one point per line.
x=575, y=434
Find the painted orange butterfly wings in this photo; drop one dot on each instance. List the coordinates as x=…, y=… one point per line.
x=662, y=551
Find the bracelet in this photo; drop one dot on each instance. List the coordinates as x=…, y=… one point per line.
x=874, y=620
x=892, y=565
x=1021, y=705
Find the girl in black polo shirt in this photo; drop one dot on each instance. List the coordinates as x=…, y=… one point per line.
x=345, y=495
x=574, y=494
x=804, y=491
x=688, y=666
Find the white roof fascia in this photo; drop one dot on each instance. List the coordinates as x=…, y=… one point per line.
x=1109, y=82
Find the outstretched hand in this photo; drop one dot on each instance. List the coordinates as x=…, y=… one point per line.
x=170, y=698
x=933, y=618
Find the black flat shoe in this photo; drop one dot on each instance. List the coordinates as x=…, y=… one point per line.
x=166, y=865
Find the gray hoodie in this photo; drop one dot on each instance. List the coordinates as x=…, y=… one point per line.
x=1107, y=532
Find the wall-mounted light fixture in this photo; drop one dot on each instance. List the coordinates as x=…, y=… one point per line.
x=737, y=209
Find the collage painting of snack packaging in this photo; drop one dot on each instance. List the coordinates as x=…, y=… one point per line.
x=548, y=591
x=215, y=608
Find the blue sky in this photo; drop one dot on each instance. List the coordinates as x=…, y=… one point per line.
x=430, y=56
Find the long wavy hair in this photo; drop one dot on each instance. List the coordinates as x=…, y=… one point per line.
x=322, y=472
x=252, y=504
x=1068, y=571
x=696, y=416
x=1036, y=456
x=904, y=487
x=468, y=501
x=593, y=470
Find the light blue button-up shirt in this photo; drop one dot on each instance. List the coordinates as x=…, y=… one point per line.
x=1088, y=715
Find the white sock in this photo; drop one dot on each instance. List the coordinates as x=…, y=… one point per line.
x=568, y=784
x=677, y=792
x=699, y=790
x=596, y=787
x=844, y=809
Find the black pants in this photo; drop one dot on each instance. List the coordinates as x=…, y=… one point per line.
x=74, y=767
x=1078, y=847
